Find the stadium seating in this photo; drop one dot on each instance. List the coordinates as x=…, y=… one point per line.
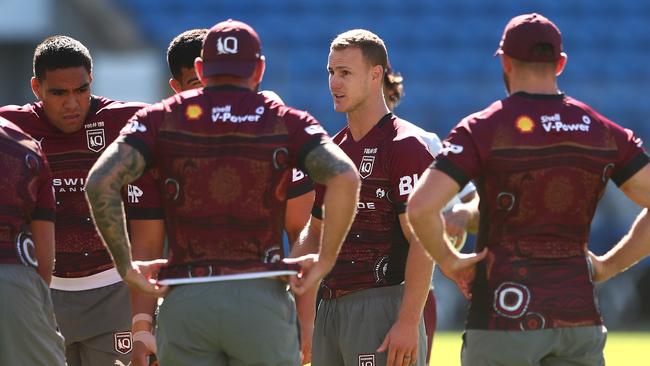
x=443, y=48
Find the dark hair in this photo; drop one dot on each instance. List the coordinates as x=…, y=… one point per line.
x=184, y=49
x=393, y=83
x=544, y=50
x=60, y=52
x=372, y=47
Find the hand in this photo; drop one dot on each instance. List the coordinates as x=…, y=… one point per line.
x=142, y=277
x=456, y=220
x=599, y=272
x=306, y=334
x=401, y=343
x=140, y=354
x=462, y=270
x=313, y=270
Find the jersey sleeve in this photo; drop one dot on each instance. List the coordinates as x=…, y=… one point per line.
x=632, y=157
x=299, y=185
x=141, y=131
x=45, y=207
x=305, y=134
x=409, y=158
x=143, y=201
x=460, y=156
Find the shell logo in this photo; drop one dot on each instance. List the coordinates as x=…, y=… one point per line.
x=193, y=112
x=525, y=124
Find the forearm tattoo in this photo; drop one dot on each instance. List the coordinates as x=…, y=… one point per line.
x=117, y=166
x=326, y=161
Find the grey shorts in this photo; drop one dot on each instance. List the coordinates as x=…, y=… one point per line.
x=574, y=346
x=28, y=334
x=96, y=325
x=349, y=329
x=229, y=323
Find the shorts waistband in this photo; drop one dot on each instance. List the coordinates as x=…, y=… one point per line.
x=101, y=279
x=388, y=291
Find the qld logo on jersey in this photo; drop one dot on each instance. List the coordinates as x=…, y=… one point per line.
x=123, y=342
x=95, y=139
x=365, y=167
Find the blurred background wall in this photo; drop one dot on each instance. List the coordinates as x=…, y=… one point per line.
x=443, y=48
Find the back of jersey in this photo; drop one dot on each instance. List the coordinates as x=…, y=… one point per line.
x=224, y=157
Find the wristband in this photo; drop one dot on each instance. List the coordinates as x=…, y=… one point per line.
x=147, y=339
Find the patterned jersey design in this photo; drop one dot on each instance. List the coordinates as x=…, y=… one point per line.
x=390, y=158
x=225, y=157
x=79, y=250
x=540, y=163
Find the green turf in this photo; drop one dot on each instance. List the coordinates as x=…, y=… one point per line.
x=622, y=349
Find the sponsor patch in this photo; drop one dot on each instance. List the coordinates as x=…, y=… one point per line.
x=367, y=360
x=193, y=112
x=95, y=139
x=525, y=124
x=134, y=193
x=123, y=342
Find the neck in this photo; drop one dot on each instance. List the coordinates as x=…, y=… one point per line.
x=534, y=85
x=365, y=116
x=229, y=80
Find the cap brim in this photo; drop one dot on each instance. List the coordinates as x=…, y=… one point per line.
x=498, y=52
x=241, y=69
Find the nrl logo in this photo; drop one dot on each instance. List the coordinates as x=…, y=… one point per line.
x=95, y=139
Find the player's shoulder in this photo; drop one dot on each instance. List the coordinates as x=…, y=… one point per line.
x=19, y=135
x=17, y=113
x=114, y=108
x=404, y=134
x=590, y=112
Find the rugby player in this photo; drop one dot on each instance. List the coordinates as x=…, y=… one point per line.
x=541, y=160
x=28, y=331
x=224, y=154
x=73, y=128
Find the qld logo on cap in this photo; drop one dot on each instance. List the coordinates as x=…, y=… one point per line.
x=227, y=45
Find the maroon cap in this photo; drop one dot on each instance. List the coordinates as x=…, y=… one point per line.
x=231, y=48
x=525, y=31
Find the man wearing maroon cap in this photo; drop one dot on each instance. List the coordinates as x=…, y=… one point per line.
x=541, y=161
x=224, y=154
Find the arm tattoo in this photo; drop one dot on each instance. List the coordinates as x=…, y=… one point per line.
x=119, y=165
x=326, y=161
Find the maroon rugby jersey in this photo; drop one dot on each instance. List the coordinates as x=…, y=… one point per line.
x=390, y=157
x=540, y=163
x=79, y=250
x=27, y=193
x=225, y=157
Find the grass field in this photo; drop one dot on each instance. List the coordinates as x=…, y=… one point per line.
x=622, y=349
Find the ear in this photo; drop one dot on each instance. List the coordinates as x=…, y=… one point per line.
x=377, y=72
x=506, y=63
x=175, y=85
x=561, y=63
x=198, y=66
x=258, y=75
x=36, y=88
